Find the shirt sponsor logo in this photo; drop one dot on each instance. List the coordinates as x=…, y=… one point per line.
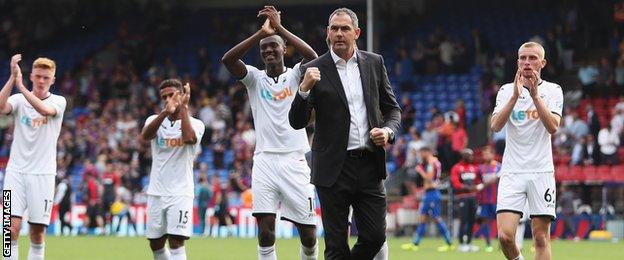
x=520, y=116
x=277, y=96
x=169, y=142
x=34, y=122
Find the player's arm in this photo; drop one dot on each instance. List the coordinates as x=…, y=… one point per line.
x=549, y=119
x=499, y=119
x=427, y=174
x=300, y=46
x=150, y=129
x=5, y=108
x=232, y=58
x=188, y=133
x=35, y=102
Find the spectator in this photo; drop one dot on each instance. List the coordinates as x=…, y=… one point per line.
x=587, y=74
x=609, y=142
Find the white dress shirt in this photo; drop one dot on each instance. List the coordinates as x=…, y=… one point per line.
x=349, y=73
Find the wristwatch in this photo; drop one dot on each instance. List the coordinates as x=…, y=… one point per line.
x=390, y=133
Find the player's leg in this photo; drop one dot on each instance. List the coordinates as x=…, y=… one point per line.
x=298, y=202
x=507, y=222
x=37, y=244
x=510, y=202
x=486, y=213
x=542, y=197
x=179, y=218
x=309, y=244
x=265, y=202
x=425, y=209
x=157, y=245
x=156, y=228
x=40, y=202
x=442, y=228
x=176, y=246
x=540, y=227
x=14, y=182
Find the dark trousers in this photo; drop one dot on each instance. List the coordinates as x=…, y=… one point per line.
x=467, y=211
x=64, y=209
x=359, y=186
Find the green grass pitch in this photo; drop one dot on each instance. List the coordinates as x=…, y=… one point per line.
x=95, y=248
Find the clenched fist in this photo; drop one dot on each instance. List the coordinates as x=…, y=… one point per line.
x=312, y=75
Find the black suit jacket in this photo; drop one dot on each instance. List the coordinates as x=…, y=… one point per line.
x=329, y=102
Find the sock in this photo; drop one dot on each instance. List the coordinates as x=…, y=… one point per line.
x=267, y=253
x=161, y=254
x=383, y=252
x=444, y=232
x=420, y=232
x=309, y=253
x=486, y=234
x=519, y=257
x=178, y=253
x=14, y=251
x=36, y=251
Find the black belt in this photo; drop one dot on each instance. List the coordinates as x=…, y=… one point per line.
x=359, y=153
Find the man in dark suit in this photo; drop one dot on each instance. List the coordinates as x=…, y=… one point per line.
x=356, y=115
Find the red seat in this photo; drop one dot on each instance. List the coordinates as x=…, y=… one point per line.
x=617, y=173
x=589, y=172
x=621, y=154
x=562, y=173
x=603, y=173
x=576, y=173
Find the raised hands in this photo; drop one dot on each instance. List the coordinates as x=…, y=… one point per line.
x=272, y=15
x=532, y=83
x=172, y=103
x=15, y=64
x=186, y=96
x=267, y=30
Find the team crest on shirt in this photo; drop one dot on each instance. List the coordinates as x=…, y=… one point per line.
x=277, y=96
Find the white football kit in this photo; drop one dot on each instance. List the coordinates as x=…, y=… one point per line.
x=281, y=174
x=31, y=168
x=171, y=187
x=527, y=167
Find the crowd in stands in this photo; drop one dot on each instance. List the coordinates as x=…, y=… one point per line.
x=114, y=89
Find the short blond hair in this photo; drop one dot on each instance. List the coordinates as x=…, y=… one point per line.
x=540, y=49
x=44, y=63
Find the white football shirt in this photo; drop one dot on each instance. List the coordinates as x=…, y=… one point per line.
x=33, y=150
x=172, y=160
x=528, y=144
x=270, y=100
